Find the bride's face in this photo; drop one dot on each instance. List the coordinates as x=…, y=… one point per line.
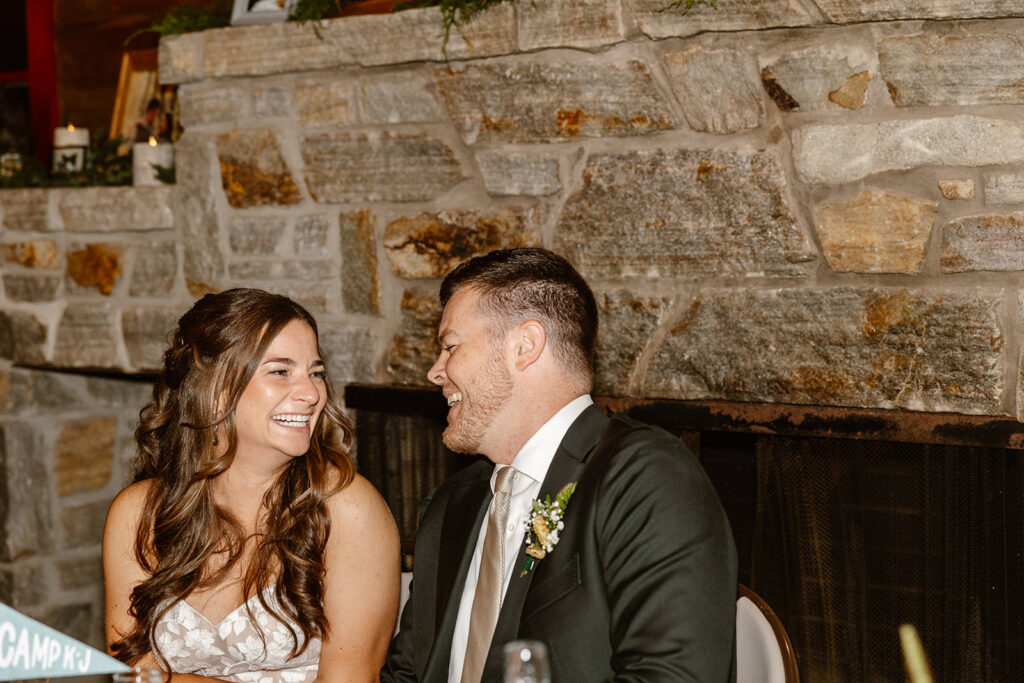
x=279, y=408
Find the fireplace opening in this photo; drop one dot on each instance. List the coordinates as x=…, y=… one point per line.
x=847, y=539
x=846, y=535
x=399, y=449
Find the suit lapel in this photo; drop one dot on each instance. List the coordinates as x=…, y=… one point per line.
x=462, y=520
x=579, y=441
x=463, y=516
x=566, y=466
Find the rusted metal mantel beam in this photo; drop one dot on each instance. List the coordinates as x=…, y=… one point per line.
x=752, y=418
x=823, y=421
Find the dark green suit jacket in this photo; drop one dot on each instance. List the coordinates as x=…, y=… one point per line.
x=640, y=587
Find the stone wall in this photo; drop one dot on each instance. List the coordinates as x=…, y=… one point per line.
x=812, y=202
x=65, y=449
x=787, y=202
x=91, y=282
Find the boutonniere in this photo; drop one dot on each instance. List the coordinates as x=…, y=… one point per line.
x=543, y=524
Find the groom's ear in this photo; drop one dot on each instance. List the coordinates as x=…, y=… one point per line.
x=528, y=341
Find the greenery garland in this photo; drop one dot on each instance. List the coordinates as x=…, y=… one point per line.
x=103, y=166
x=187, y=18
x=315, y=10
x=453, y=12
x=687, y=4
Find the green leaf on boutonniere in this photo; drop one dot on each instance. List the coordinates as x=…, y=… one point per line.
x=544, y=525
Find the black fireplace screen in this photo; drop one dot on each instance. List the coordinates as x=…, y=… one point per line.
x=852, y=538
x=403, y=456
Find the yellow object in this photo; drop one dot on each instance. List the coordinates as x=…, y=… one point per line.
x=914, y=659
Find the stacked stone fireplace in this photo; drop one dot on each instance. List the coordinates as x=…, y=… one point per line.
x=801, y=208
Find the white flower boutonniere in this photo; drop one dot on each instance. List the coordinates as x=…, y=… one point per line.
x=543, y=525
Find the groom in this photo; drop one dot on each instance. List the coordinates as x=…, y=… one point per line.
x=633, y=578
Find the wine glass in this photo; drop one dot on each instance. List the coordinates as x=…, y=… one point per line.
x=138, y=675
x=526, y=661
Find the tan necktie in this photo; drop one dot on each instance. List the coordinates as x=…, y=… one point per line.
x=489, y=583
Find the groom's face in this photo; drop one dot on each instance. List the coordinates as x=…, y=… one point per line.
x=472, y=374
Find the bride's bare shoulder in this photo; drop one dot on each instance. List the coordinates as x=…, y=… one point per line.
x=127, y=505
x=358, y=492
x=360, y=504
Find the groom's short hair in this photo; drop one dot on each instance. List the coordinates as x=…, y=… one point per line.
x=531, y=283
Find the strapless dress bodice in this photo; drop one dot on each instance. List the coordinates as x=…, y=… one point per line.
x=233, y=649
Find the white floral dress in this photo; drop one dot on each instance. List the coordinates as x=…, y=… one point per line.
x=232, y=650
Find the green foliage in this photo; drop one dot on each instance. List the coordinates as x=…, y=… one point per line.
x=565, y=494
x=453, y=12
x=189, y=17
x=414, y=4
x=103, y=166
x=315, y=10
x=165, y=174
x=31, y=174
x=687, y=4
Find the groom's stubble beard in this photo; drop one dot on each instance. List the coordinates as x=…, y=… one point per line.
x=482, y=400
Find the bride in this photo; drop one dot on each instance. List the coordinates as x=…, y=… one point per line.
x=248, y=549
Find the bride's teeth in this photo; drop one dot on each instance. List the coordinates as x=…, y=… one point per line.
x=292, y=419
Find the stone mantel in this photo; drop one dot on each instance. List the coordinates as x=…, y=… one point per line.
x=520, y=28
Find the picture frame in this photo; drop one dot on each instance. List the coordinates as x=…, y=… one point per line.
x=68, y=159
x=245, y=12
x=137, y=84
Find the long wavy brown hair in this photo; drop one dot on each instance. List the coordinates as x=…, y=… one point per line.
x=217, y=347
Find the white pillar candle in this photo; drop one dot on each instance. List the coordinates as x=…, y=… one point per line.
x=69, y=148
x=147, y=154
x=70, y=137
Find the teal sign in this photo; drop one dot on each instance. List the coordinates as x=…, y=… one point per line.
x=29, y=649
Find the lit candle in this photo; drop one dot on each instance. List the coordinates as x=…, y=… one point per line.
x=147, y=154
x=69, y=147
x=70, y=137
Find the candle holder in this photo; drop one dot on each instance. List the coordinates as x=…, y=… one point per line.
x=147, y=155
x=70, y=145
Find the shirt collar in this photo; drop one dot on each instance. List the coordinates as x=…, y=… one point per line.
x=534, y=458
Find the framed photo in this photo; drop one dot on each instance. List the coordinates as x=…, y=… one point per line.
x=68, y=159
x=260, y=11
x=137, y=86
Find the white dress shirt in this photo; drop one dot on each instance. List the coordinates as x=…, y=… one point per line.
x=531, y=464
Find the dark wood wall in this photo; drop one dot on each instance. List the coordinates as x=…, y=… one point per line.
x=90, y=37
x=13, y=46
